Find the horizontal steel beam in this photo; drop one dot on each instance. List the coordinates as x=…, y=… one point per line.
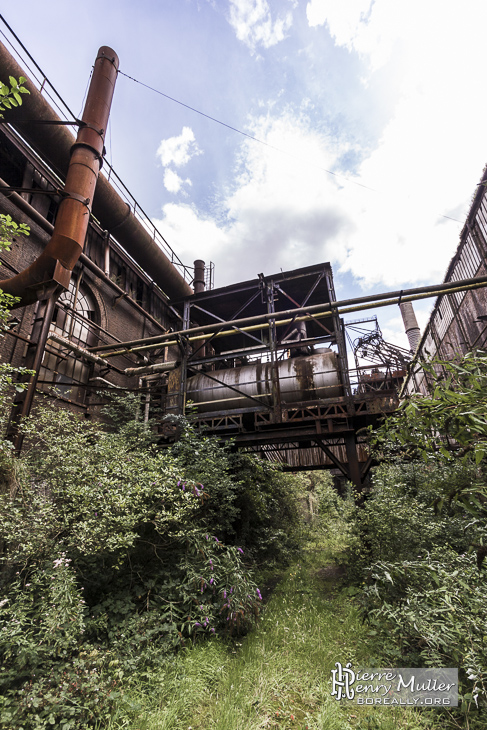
x=317, y=311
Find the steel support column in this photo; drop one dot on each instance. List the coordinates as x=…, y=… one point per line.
x=354, y=470
x=276, y=390
x=184, y=349
x=35, y=353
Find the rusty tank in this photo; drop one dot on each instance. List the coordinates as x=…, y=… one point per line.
x=301, y=379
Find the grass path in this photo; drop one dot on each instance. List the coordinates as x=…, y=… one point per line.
x=279, y=675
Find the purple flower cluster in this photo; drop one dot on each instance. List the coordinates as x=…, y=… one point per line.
x=205, y=624
x=196, y=490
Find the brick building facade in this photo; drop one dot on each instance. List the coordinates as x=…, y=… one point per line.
x=111, y=298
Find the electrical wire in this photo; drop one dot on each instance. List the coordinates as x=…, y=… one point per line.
x=207, y=116
x=244, y=134
x=261, y=141
x=37, y=66
x=85, y=94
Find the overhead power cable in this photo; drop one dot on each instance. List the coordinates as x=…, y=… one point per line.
x=44, y=76
x=260, y=141
x=244, y=134
x=207, y=116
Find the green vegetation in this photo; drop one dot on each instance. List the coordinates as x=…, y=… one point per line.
x=278, y=676
x=11, y=96
x=115, y=554
x=129, y=574
x=421, y=537
x=8, y=374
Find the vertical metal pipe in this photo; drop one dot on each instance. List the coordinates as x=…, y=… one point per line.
x=51, y=272
x=73, y=305
x=147, y=404
x=276, y=389
x=183, y=344
x=199, y=286
x=339, y=331
x=199, y=276
x=107, y=254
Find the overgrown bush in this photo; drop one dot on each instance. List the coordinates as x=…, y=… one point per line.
x=399, y=521
x=434, y=610
x=115, y=554
x=253, y=504
x=422, y=533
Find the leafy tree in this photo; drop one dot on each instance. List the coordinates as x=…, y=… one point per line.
x=450, y=425
x=424, y=594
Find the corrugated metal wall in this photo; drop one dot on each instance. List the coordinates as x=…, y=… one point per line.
x=456, y=325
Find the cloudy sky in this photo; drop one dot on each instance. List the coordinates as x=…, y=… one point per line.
x=370, y=116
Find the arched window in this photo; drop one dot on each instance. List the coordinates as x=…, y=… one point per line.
x=62, y=369
x=74, y=311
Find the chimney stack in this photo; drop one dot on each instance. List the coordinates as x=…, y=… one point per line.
x=411, y=325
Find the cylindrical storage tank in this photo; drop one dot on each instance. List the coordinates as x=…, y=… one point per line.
x=301, y=379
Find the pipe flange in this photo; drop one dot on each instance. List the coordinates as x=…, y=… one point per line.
x=75, y=196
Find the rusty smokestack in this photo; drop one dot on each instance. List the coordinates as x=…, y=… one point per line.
x=50, y=273
x=54, y=142
x=199, y=276
x=411, y=325
x=199, y=286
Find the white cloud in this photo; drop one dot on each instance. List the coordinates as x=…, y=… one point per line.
x=172, y=182
x=254, y=26
x=280, y=213
x=284, y=212
x=369, y=27
x=342, y=18
x=193, y=235
x=433, y=148
x=178, y=150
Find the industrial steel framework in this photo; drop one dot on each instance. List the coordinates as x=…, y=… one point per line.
x=258, y=369
x=264, y=361
x=282, y=410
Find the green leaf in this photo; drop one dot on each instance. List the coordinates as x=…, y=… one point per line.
x=479, y=455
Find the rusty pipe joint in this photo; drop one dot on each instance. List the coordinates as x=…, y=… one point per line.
x=51, y=272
